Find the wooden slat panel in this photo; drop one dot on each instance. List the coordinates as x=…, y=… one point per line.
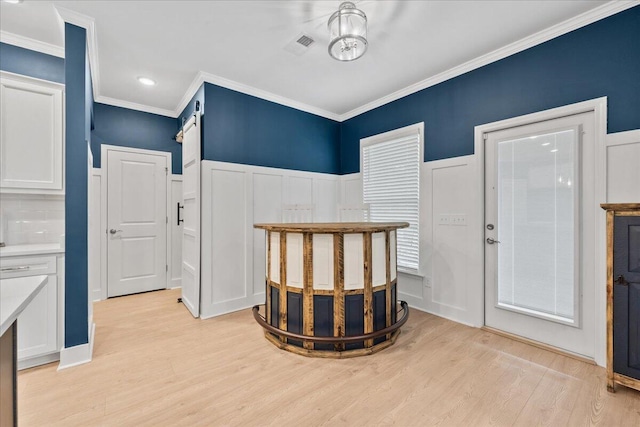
x=267, y=304
x=387, y=256
x=307, y=295
x=610, y=381
x=283, y=283
x=338, y=290
x=368, y=287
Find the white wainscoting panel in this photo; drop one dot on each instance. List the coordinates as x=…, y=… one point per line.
x=351, y=189
x=225, y=199
x=353, y=261
x=378, y=259
x=327, y=190
x=175, y=251
x=300, y=191
x=235, y=197
x=450, y=192
x=323, y=261
x=623, y=167
x=267, y=204
x=294, y=260
x=96, y=232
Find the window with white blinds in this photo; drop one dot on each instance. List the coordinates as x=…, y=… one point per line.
x=391, y=187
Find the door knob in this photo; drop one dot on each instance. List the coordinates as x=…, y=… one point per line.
x=491, y=241
x=114, y=231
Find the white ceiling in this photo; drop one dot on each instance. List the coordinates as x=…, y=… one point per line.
x=240, y=44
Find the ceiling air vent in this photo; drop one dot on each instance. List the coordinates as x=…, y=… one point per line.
x=305, y=41
x=299, y=45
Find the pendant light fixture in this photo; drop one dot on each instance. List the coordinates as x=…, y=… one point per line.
x=347, y=33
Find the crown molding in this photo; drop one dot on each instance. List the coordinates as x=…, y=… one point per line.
x=190, y=92
x=203, y=77
x=135, y=106
x=89, y=24
x=540, y=37
x=31, y=44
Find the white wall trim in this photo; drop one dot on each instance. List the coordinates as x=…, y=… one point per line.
x=79, y=354
x=89, y=24
x=599, y=107
x=540, y=37
x=100, y=293
x=134, y=106
x=623, y=138
x=31, y=44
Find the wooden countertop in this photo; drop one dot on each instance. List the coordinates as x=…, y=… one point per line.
x=620, y=206
x=15, y=295
x=333, y=227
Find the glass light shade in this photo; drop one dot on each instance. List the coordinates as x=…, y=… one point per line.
x=348, y=33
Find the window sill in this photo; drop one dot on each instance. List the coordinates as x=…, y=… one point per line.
x=411, y=273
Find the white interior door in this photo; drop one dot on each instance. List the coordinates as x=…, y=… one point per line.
x=540, y=232
x=191, y=226
x=136, y=220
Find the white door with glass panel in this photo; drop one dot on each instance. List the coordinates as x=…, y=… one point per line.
x=540, y=231
x=136, y=217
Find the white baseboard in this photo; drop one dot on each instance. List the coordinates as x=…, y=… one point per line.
x=453, y=319
x=79, y=354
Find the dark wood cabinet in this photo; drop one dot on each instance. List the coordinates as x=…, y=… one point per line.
x=623, y=295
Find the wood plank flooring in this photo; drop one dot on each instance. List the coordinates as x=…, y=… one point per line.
x=155, y=365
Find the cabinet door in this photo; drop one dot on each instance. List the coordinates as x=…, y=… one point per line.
x=626, y=296
x=38, y=324
x=31, y=137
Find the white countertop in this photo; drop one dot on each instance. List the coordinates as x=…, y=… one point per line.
x=15, y=295
x=33, y=249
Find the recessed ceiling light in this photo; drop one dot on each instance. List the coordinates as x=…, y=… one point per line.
x=545, y=144
x=147, y=81
x=555, y=150
x=12, y=1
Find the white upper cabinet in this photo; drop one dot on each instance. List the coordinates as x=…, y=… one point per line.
x=31, y=135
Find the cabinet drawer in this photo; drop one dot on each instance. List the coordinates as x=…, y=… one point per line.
x=27, y=266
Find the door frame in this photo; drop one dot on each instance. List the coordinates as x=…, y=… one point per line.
x=104, y=156
x=477, y=292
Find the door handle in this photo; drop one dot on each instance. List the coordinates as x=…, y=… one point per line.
x=21, y=268
x=114, y=231
x=491, y=241
x=178, y=213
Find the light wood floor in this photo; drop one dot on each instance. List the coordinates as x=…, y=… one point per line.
x=153, y=364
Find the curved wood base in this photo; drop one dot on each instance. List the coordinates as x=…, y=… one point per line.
x=332, y=354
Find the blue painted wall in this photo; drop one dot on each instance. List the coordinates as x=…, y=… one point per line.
x=244, y=129
x=601, y=59
x=130, y=128
x=30, y=63
x=78, y=125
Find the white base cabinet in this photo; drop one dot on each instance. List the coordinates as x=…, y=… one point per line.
x=40, y=326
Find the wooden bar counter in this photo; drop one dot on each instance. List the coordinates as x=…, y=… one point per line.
x=331, y=288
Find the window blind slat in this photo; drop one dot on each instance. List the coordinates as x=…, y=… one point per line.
x=391, y=187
